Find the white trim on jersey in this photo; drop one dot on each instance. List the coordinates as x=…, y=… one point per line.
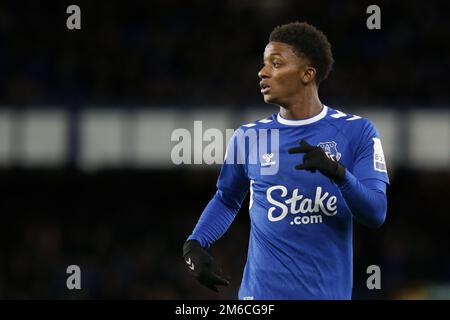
x=338, y=114
x=353, y=118
x=302, y=122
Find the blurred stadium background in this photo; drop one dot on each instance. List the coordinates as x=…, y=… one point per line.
x=86, y=119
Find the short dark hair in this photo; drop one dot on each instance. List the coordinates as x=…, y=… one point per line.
x=309, y=42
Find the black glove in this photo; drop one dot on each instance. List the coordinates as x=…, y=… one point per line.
x=201, y=265
x=316, y=158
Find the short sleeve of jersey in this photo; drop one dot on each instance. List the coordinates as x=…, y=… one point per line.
x=233, y=182
x=369, y=161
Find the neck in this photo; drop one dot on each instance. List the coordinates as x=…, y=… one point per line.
x=305, y=105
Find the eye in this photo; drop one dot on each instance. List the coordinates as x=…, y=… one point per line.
x=276, y=64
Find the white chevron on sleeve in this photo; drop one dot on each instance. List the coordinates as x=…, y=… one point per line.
x=339, y=114
x=353, y=118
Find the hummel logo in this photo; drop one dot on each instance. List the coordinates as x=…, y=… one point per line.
x=190, y=263
x=268, y=160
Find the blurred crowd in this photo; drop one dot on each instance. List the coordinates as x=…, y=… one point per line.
x=209, y=52
x=125, y=231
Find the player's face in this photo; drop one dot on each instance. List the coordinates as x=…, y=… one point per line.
x=281, y=73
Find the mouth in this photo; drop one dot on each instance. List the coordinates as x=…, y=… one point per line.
x=265, y=88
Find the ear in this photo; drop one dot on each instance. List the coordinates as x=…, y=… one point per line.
x=308, y=75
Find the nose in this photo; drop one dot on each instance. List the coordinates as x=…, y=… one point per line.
x=263, y=74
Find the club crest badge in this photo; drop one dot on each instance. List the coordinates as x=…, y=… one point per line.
x=330, y=149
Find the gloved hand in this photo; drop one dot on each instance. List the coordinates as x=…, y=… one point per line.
x=316, y=158
x=202, y=266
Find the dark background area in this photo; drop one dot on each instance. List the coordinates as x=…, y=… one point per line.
x=209, y=52
x=125, y=227
x=125, y=234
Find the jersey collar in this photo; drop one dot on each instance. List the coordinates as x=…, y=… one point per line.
x=303, y=122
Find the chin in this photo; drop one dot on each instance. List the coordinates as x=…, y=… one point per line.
x=270, y=99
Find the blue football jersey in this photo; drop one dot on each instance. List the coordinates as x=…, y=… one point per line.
x=301, y=227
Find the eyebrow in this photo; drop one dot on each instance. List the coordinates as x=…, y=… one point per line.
x=273, y=54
